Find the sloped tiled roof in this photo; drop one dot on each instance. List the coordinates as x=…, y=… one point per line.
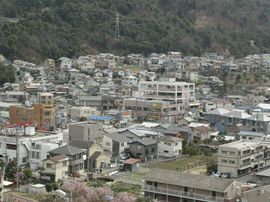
x=66, y=150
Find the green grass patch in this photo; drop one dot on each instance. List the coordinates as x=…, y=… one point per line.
x=185, y=163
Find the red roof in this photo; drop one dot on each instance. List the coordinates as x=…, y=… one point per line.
x=131, y=161
x=58, y=157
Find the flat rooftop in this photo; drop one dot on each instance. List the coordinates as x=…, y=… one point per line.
x=241, y=144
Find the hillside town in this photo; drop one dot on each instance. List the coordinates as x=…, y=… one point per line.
x=172, y=127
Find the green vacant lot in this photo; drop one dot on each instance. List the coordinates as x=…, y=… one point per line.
x=186, y=163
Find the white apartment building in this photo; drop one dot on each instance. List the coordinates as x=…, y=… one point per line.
x=167, y=90
x=30, y=146
x=78, y=112
x=170, y=146
x=243, y=156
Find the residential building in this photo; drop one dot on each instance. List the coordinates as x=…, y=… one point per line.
x=172, y=186
x=4, y=110
x=115, y=143
x=250, y=135
x=259, y=194
x=42, y=114
x=75, y=155
x=19, y=96
x=259, y=123
x=55, y=168
x=38, y=152
x=153, y=110
x=242, y=157
x=99, y=160
x=76, y=113
x=169, y=146
x=86, y=131
x=145, y=149
x=28, y=146
x=262, y=178
x=167, y=90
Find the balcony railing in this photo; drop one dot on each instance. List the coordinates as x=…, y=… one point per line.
x=181, y=194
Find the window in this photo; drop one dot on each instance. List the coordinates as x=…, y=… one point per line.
x=223, y=161
x=232, y=153
x=122, y=144
x=176, y=144
x=139, y=147
x=224, y=152
x=65, y=163
x=49, y=165
x=12, y=146
x=166, y=151
x=231, y=161
x=24, y=159
x=47, y=113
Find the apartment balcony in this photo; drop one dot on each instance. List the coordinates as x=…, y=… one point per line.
x=181, y=194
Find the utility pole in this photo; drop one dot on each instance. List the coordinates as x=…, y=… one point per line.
x=117, y=22
x=17, y=160
x=4, y=168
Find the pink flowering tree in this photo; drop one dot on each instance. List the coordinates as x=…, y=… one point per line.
x=83, y=193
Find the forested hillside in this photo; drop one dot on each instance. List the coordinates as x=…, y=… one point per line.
x=55, y=28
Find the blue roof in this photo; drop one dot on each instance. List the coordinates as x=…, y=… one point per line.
x=100, y=118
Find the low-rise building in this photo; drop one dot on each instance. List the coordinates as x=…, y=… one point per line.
x=4, y=110
x=76, y=113
x=168, y=185
x=145, y=149
x=115, y=143
x=55, y=168
x=75, y=155
x=169, y=146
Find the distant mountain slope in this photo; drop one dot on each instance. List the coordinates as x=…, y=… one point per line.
x=54, y=28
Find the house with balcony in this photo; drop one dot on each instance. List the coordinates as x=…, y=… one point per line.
x=75, y=155
x=55, y=168
x=172, y=186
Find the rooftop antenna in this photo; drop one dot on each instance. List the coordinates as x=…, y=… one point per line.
x=117, y=22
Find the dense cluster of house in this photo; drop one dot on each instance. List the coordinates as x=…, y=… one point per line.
x=71, y=116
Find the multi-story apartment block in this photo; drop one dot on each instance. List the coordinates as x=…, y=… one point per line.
x=42, y=114
x=167, y=90
x=172, y=186
x=152, y=109
x=243, y=156
x=86, y=131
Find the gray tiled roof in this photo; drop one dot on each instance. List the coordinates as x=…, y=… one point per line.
x=118, y=137
x=189, y=180
x=146, y=142
x=66, y=150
